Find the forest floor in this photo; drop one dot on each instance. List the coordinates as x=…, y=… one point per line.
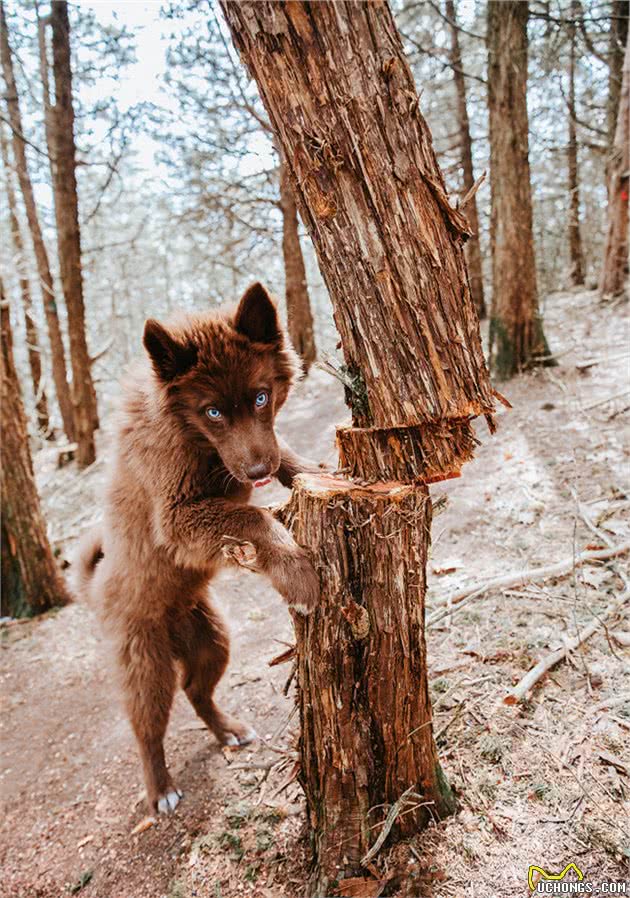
x=545, y=782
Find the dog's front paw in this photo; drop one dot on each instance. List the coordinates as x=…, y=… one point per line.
x=302, y=584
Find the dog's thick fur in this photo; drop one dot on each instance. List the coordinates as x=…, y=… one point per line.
x=178, y=489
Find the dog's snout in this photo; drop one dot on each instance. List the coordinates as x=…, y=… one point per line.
x=257, y=472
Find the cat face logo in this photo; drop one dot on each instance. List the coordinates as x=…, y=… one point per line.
x=552, y=877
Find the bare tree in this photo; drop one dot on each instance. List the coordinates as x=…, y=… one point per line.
x=32, y=336
x=516, y=335
x=31, y=582
x=473, y=246
x=57, y=352
x=68, y=235
x=618, y=37
x=390, y=247
x=576, y=255
x=615, y=267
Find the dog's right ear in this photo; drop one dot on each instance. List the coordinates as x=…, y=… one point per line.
x=169, y=356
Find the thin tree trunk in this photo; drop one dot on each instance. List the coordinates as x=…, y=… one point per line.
x=31, y=582
x=618, y=39
x=68, y=235
x=32, y=336
x=615, y=267
x=299, y=316
x=390, y=247
x=576, y=255
x=57, y=352
x=516, y=334
x=473, y=246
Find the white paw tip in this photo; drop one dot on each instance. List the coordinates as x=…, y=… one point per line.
x=301, y=609
x=169, y=802
x=231, y=740
x=250, y=736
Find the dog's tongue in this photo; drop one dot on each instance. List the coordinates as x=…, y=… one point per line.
x=262, y=482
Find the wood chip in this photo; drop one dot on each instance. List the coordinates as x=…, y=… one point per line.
x=145, y=824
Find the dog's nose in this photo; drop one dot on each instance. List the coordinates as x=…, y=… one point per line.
x=259, y=471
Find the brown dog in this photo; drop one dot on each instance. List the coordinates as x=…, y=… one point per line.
x=195, y=434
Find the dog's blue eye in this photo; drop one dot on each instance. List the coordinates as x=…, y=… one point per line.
x=213, y=413
x=262, y=399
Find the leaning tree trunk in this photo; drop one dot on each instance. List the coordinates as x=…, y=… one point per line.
x=473, y=246
x=299, y=316
x=32, y=336
x=68, y=235
x=57, y=351
x=576, y=255
x=343, y=104
x=615, y=268
x=516, y=335
x=31, y=582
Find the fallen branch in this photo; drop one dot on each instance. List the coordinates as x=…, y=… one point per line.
x=507, y=581
x=530, y=679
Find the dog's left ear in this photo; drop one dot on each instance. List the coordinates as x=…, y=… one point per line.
x=257, y=316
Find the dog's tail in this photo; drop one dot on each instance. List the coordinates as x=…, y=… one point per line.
x=87, y=556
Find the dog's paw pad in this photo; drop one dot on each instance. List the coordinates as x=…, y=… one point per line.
x=169, y=802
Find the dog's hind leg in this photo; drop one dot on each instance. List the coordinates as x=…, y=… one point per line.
x=201, y=642
x=149, y=682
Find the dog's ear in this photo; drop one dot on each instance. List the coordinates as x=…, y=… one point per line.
x=257, y=316
x=169, y=356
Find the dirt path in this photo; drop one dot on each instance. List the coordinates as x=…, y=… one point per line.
x=532, y=783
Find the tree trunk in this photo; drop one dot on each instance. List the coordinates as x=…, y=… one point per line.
x=576, y=255
x=615, y=268
x=390, y=247
x=57, y=351
x=473, y=246
x=68, y=236
x=32, y=336
x=31, y=582
x=516, y=335
x=618, y=40
x=299, y=317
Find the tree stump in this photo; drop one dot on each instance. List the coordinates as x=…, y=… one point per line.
x=363, y=696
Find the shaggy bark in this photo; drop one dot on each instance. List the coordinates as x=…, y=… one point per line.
x=516, y=334
x=576, y=255
x=68, y=235
x=57, y=352
x=32, y=336
x=31, y=582
x=343, y=104
x=473, y=246
x=299, y=316
x=615, y=267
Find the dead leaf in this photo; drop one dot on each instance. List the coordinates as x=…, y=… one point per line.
x=442, y=571
x=359, y=887
x=145, y=824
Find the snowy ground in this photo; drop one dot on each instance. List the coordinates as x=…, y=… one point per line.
x=546, y=782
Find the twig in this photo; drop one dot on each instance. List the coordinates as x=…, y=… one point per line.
x=536, y=673
x=586, y=408
x=473, y=190
x=393, y=813
x=466, y=594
